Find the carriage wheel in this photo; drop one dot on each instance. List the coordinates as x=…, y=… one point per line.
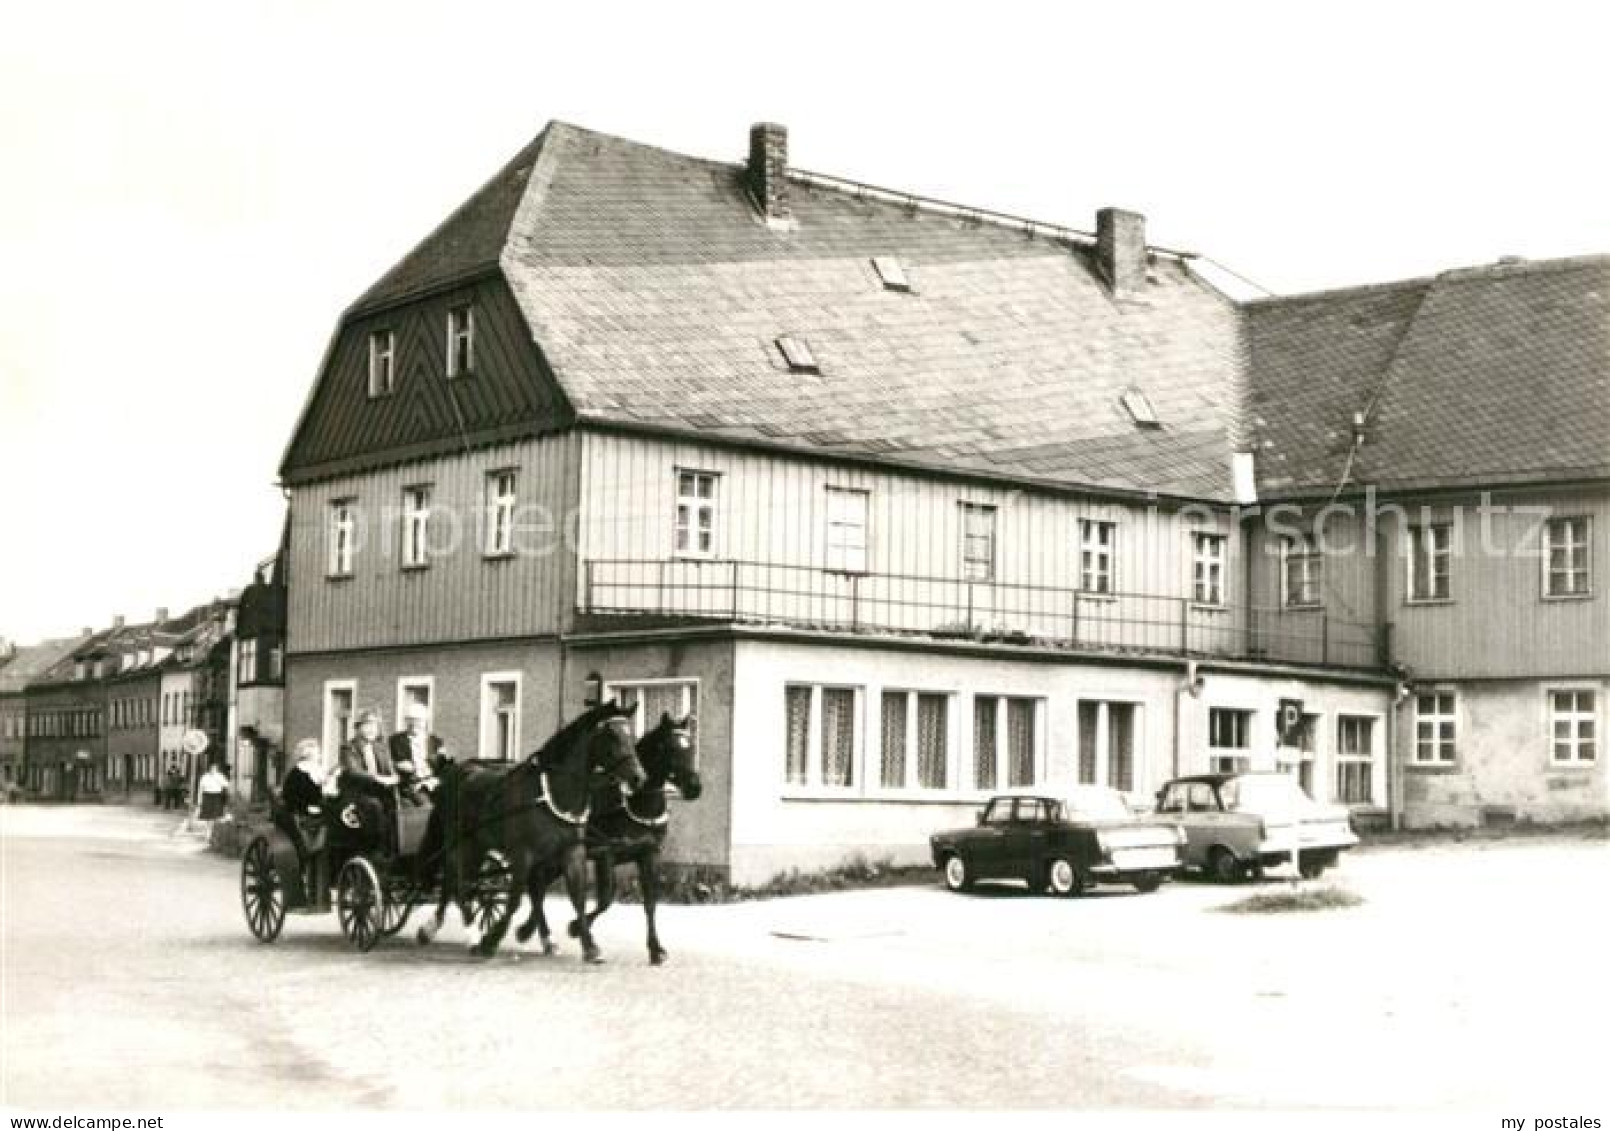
x=262, y=896
x=492, y=897
x=397, y=911
x=361, y=903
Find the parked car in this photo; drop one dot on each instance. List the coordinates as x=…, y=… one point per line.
x=1064, y=843
x=1235, y=825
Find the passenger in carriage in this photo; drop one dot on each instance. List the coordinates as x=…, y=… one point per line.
x=367, y=783
x=417, y=755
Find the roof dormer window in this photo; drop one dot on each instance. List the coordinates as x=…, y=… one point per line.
x=797, y=353
x=1139, y=407
x=461, y=341
x=892, y=272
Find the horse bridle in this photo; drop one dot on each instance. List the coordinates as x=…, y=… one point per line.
x=664, y=818
x=546, y=796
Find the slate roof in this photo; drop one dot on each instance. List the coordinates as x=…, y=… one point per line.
x=657, y=294
x=1478, y=376
x=31, y=663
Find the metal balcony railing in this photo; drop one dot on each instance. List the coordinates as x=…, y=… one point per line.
x=683, y=590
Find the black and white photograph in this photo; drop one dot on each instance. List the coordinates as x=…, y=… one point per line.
x=629, y=561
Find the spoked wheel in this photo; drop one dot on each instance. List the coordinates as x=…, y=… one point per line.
x=492, y=897
x=396, y=914
x=361, y=903
x=262, y=896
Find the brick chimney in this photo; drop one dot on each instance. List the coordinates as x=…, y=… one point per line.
x=1121, y=251
x=117, y=622
x=162, y=614
x=768, y=171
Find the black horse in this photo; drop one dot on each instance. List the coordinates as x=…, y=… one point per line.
x=628, y=829
x=534, y=814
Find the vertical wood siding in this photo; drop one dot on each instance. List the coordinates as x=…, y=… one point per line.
x=462, y=595
x=772, y=509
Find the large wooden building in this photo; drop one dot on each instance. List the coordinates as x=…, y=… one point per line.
x=908, y=501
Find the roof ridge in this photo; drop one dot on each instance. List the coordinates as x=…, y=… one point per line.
x=1519, y=266
x=1335, y=292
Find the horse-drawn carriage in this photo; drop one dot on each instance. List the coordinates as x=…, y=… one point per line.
x=503, y=830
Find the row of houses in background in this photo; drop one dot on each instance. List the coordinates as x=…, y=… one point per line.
x=104, y=714
x=912, y=501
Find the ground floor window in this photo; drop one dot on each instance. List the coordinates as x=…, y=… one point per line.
x=1005, y=741
x=1355, y=760
x=914, y=743
x=1107, y=742
x=500, y=716
x=655, y=698
x=340, y=704
x=1572, y=727
x=821, y=735
x=1435, y=728
x=415, y=691
x=1229, y=740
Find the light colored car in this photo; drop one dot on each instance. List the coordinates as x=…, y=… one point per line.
x=1063, y=843
x=1236, y=825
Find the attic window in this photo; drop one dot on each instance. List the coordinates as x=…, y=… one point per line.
x=891, y=272
x=1140, y=410
x=798, y=354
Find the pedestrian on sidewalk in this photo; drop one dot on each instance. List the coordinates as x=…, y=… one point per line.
x=214, y=792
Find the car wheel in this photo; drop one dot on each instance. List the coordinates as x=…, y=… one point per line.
x=1062, y=877
x=1311, y=867
x=957, y=877
x=1223, y=866
x=1148, y=883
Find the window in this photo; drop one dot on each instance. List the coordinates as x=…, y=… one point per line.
x=797, y=353
x=1435, y=729
x=978, y=542
x=891, y=272
x=1300, y=573
x=1207, y=568
x=382, y=370
x=1139, y=407
x=500, y=513
x=276, y=662
x=460, y=341
x=1005, y=741
x=1566, y=557
x=1096, y=542
x=1571, y=721
x=914, y=721
x=653, y=698
x=1430, y=553
x=416, y=527
x=821, y=736
x=248, y=661
x=1229, y=740
x=1355, y=756
x=1107, y=744
x=696, y=514
x=342, y=537
x=500, y=716
x=846, y=529
x=415, y=690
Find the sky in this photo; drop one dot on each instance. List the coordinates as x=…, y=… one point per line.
x=191, y=193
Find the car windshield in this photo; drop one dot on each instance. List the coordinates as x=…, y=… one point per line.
x=1096, y=804
x=1257, y=793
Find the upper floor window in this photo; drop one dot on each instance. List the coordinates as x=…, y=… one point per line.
x=1430, y=558
x=342, y=537
x=978, y=542
x=382, y=365
x=460, y=340
x=1435, y=728
x=248, y=660
x=696, y=513
x=1567, y=557
x=500, y=497
x=1207, y=568
x=416, y=526
x=276, y=662
x=1097, y=541
x=1301, y=565
x=1572, y=719
x=846, y=529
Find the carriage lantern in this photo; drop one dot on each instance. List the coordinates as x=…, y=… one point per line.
x=594, y=693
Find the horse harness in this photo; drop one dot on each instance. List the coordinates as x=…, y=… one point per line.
x=545, y=796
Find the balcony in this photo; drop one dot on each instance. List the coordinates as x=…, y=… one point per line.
x=642, y=593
